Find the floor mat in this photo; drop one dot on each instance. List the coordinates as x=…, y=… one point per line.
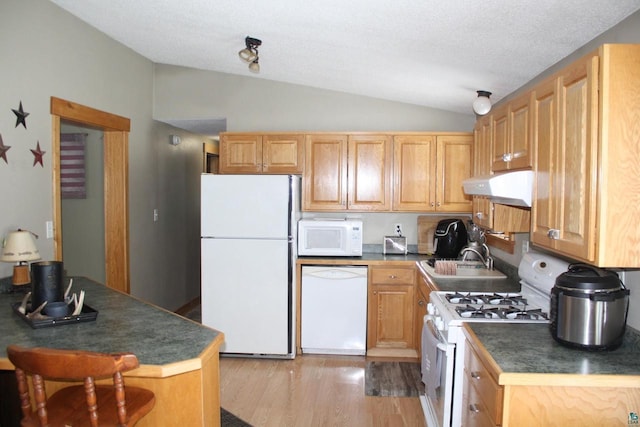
x=399, y=379
x=227, y=419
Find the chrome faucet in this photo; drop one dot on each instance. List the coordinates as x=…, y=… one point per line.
x=487, y=260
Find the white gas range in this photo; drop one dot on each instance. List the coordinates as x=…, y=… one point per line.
x=443, y=340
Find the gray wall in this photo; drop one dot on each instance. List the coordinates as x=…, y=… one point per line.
x=252, y=104
x=48, y=52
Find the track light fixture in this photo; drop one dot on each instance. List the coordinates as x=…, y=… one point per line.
x=482, y=104
x=250, y=53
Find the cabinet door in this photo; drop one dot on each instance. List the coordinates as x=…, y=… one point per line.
x=482, y=208
x=414, y=172
x=390, y=309
x=454, y=164
x=499, y=138
x=545, y=122
x=369, y=173
x=390, y=318
x=422, y=299
x=240, y=153
x=325, y=177
x=282, y=154
x=519, y=144
x=578, y=120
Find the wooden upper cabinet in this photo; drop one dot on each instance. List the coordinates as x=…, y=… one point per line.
x=428, y=172
x=414, y=172
x=454, y=164
x=325, y=176
x=566, y=162
x=369, y=172
x=586, y=197
x=283, y=154
x=499, y=137
x=482, y=209
x=512, y=135
x=347, y=172
x=261, y=153
x=241, y=153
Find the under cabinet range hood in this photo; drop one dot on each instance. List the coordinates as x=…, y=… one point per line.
x=509, y=188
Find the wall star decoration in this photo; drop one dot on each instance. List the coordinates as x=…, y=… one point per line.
x=3, y=150
x=37, y=155
x=21, y=116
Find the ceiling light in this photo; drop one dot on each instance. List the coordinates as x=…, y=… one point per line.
x=482, y=104
x=250, y=53
x=254, y=66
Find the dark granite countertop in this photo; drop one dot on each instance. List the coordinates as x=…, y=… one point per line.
x=124, y=323
x=510, y=284
x=365, y=258
x=529, y=348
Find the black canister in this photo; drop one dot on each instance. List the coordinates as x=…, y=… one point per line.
x=46, y=282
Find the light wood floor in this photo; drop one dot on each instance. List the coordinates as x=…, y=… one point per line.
x=311, y=390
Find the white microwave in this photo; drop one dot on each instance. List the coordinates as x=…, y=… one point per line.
x=328, y=237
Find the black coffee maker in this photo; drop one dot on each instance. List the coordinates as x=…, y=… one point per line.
x=449, y=238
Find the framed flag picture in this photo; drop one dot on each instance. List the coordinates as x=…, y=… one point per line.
x=72, y=166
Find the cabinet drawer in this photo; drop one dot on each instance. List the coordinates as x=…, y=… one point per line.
x=475, y=412
x=488, y=389
x=393, y=276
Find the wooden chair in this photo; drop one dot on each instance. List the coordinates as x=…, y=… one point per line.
x=79, y=405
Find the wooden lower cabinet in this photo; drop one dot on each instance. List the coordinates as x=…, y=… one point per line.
x=482, y=396
x=423, y=290
x=390, y=323
x=492, y=397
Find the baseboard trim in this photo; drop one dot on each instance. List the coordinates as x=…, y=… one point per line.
x=188, y=307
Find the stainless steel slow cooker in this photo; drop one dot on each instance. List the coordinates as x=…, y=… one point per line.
x=589, y=308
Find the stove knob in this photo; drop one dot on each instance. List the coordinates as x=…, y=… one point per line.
x=430, y=308
x=440, y=324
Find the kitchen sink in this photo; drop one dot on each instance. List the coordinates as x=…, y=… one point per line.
x=463, y=270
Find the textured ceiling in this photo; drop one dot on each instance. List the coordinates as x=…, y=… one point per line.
x=424, y=52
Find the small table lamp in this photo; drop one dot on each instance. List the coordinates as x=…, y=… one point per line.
x=19, y=247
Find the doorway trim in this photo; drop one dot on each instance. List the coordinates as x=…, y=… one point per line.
x=116, y=184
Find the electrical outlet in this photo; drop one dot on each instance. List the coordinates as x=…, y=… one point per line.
x=525, y=246
x=398, y=229
x=155, y=215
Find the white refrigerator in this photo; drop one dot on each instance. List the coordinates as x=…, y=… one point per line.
x=248, y=250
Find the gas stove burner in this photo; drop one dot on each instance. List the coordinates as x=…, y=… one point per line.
x=459, y=298
x=471, y=312
x=516, y=313
x=498, y=299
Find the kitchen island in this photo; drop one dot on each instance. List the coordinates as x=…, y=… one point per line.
x=179, y=358
x=545, y=383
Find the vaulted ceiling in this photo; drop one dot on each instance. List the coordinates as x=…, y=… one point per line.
x=426, y=52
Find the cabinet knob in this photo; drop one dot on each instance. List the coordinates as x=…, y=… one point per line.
x=507, y=157
x=438, y=204
x=474, y=408
x=420, y=303
x=432, y=204
x=479, y=215
x=475, y=375
x=553, y=234
x=393, y=276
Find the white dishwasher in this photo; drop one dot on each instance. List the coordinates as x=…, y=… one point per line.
x=334, y=310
